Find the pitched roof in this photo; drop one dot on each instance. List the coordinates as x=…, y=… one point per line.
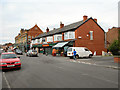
x=72, y=26
x=69, y=27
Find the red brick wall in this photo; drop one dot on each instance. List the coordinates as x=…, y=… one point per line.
x=97, y=44
x=112, y=35
x=35, y=32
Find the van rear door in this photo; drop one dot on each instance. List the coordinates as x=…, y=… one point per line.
x=69, y=51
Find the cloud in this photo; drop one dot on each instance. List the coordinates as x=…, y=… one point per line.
x=17, y=14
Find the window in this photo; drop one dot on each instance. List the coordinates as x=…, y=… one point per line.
x=29, y=36
x=43, y=39
x=32, y=37
x=69, y=49
x=86, y=49
x=66, y=35
x=91, y=35
x=69, y=35
x=38, y=41
x=58, y=37
x=50, y=39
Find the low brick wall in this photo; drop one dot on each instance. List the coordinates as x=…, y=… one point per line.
x=117, y=59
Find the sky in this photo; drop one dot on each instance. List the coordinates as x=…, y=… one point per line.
x=17, y=14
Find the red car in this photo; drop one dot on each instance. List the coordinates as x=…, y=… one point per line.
x=9, y=60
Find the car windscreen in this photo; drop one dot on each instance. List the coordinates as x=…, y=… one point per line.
x=8, y=56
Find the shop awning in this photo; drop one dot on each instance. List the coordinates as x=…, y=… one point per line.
x=61, y=44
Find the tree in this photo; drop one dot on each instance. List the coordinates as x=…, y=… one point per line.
x=115, y=48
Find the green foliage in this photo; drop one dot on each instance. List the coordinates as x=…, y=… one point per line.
x=115, y=48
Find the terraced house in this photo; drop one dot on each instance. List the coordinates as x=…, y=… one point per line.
x=84, y=33
x=23, y=39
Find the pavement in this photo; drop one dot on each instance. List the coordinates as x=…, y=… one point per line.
x=102, y=61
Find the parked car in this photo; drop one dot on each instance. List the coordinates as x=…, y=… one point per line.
x=9, y=60
x=32, y=53
x=18, y=51
x=81, y=52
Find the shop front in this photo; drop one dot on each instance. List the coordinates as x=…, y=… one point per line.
x=44, y=48
x=61, y=47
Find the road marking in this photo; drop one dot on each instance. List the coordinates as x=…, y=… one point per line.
x=6, y=81
x=113, y=67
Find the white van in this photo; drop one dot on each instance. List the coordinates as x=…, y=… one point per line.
x=81, y=52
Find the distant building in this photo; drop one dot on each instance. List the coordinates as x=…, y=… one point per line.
x=23, y=39
x=112, y=35
x=84, y=33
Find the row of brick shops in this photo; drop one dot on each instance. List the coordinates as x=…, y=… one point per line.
x=60, y=47
x=84, y=33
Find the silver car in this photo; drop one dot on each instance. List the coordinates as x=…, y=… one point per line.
x=32, y=53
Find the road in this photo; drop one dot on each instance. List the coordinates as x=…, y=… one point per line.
x=58, y=72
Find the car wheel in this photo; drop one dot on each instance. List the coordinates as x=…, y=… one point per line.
x=71, y=57
x=18, y=68
x=77, y=56
x=90, y=56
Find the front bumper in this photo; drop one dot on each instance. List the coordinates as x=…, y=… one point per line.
x=5, y=67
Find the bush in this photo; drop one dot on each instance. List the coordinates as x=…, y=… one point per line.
x=115, y=48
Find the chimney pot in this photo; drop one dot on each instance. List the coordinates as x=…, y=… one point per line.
x=85, y=18
x=95, y=19
x=47, y=30
x=109, y=29
x=61, y=25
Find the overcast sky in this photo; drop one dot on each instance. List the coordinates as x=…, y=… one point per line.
x=17, y=14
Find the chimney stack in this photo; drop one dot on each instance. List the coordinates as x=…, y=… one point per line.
x=47, y=30
x=95, y=19
x=61, y=25
x=109, y=29
x=85, y=18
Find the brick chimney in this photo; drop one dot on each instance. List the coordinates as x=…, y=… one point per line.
x=95, y=19
x=47, y=30
x=61, y=25
x=109, y=29
x=85, y=17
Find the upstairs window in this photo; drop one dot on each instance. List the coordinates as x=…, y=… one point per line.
x=69, y=35
x=50, y=39
x=91, y=35
x=58, y=37
x=29, y=36
x=43, y=39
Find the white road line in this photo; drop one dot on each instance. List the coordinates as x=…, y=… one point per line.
x=6, y=81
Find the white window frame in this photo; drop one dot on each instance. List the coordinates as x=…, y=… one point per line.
x=50, y=39
x=56, y=37
x=67, y=36
x=91, y=35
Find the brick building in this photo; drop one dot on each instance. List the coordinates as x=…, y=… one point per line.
x=23, y=39
x=84, y=33
x=112, y=35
